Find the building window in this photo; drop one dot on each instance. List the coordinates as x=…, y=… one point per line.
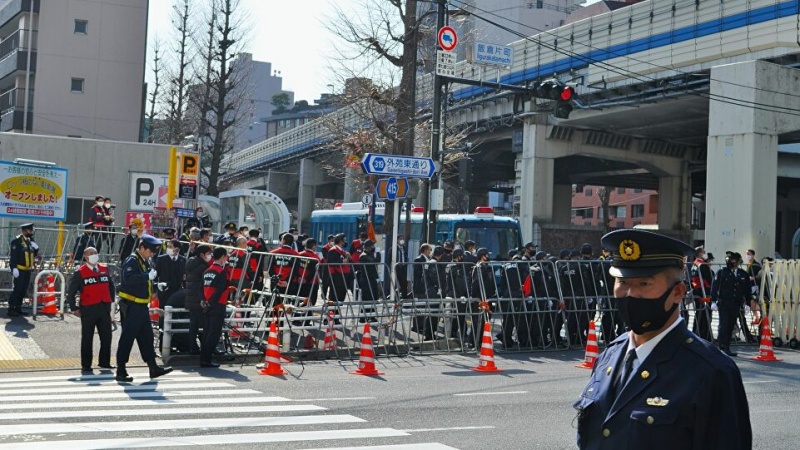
x=621, y=212
x=620, y=191
x=600, y=212
x=76, y=85
x=587, y=192
x=637, y=210
x=81, y=26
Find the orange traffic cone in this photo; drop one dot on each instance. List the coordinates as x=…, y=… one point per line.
x=366, y=355
x=591, y=349
x=49, y=299
x=765, y=351
x=154, y=305
x=486, y=360
x=272, y=355
x=330, y=337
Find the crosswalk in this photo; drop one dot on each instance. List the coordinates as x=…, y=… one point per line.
x=180, y=409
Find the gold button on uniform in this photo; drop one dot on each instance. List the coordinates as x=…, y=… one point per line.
x=608, y=370
x=645, y=374
x=650, y=420
x=606, y=432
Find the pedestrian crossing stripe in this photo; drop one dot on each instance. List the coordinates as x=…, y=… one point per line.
x=135, y=403
x=92, y=383
x=422, y=446
x=129, y=395
x=118, y=387
x=93, y=377
x=160, y=411
x=181, y=424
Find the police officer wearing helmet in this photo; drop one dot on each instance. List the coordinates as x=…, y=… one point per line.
x=659, y=386
x=135, y=292
x=21, y=260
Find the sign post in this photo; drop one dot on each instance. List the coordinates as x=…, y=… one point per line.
x=394, y=190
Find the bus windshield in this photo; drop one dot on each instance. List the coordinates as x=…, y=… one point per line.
x=497, y=238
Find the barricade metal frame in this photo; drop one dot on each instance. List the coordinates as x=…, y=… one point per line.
x=36, y=293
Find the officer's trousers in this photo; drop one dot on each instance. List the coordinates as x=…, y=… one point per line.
x=197, y=320
x=136, y=326
x=728, y=312
x=215, y=319
x=97, y=316
x=20, y=288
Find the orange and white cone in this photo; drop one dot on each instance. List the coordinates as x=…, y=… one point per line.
x=330, y=337
x=272, y=355
x=366, y=355
x=49, y=299
x=154, y=306
x=486, y=360
x=592, y=350
x=765, y=350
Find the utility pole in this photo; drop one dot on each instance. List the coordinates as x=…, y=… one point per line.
x=434, y=195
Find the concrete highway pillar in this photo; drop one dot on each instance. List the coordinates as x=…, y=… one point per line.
x=309, y=177
x=673, y=199
x=537, y=173
x=741, y=184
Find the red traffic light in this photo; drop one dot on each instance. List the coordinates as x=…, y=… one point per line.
x=567, y=93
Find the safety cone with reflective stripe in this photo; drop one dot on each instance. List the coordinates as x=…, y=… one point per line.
x=486, y=360
x=330, y=337
x=272, y=355
x=49, y=299
x=154, y=305
x=366, y=355
x=592, y=349
x=765, y=351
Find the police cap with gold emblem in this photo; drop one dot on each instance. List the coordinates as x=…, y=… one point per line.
x=641, y=253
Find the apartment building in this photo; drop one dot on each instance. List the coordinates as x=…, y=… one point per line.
x=627, y=207
x=73, y=67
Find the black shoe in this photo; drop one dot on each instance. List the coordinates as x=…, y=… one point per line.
x=123, y=377
x=107, y=366
x=159, y=371
x=86, y=370
x=21, y=313
x=729, y=353
x=209, y=364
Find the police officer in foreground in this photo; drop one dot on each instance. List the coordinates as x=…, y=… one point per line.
x=93, y=281
x=21, y=261
x=135, y=291
x=659, y=386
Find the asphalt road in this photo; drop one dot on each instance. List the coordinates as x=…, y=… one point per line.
x=427, y=402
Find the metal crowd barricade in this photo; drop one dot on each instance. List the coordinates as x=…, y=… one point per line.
x=779, y=297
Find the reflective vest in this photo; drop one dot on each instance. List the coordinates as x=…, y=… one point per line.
x=211, y=283
x=236, y=265
x=307, y=267
x=342, y=267
x=98, y=216
x=283, y=262
x=95, y=285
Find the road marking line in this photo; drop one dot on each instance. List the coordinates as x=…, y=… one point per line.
x=102, y=376
x=490, y=393
x=93, y=383
x=180, y=424
x=331, y=399
x=772, y=411
x=423, y=446
x=119, y=387
x=759, y=381
x=154, y=412
x=425, y=430
x=128, y=403
x=207, y=440
x=129, y=395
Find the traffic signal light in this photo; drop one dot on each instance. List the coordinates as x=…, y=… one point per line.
x=465, y=176
x=553, y=89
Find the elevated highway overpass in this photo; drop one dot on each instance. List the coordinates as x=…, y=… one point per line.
x=670, y=97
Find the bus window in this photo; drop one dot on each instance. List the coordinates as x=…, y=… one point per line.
x=497, y=239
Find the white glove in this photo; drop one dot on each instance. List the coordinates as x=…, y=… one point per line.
x=15, y=272
x=153, y=274
x=34, y=245
x=162, y=286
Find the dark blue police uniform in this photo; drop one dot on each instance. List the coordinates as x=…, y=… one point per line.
x=135, y=292
x=685, y=394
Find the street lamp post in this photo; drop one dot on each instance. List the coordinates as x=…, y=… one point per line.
x=435, y=195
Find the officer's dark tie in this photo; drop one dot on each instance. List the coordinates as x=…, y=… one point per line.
x=627, y=368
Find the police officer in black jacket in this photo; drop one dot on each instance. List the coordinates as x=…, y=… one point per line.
x=457, y=285
x=659, y=386
x=730, y=290
x=135, y=292
x=21, y=261
x=195, y=267
x=171, y=268
x=83, y=242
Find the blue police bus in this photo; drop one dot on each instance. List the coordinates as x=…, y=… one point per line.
x=497, y=233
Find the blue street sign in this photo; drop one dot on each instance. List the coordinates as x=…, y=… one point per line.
x=404, y=166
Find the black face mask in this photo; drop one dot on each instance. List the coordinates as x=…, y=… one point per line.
x=645, y=314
